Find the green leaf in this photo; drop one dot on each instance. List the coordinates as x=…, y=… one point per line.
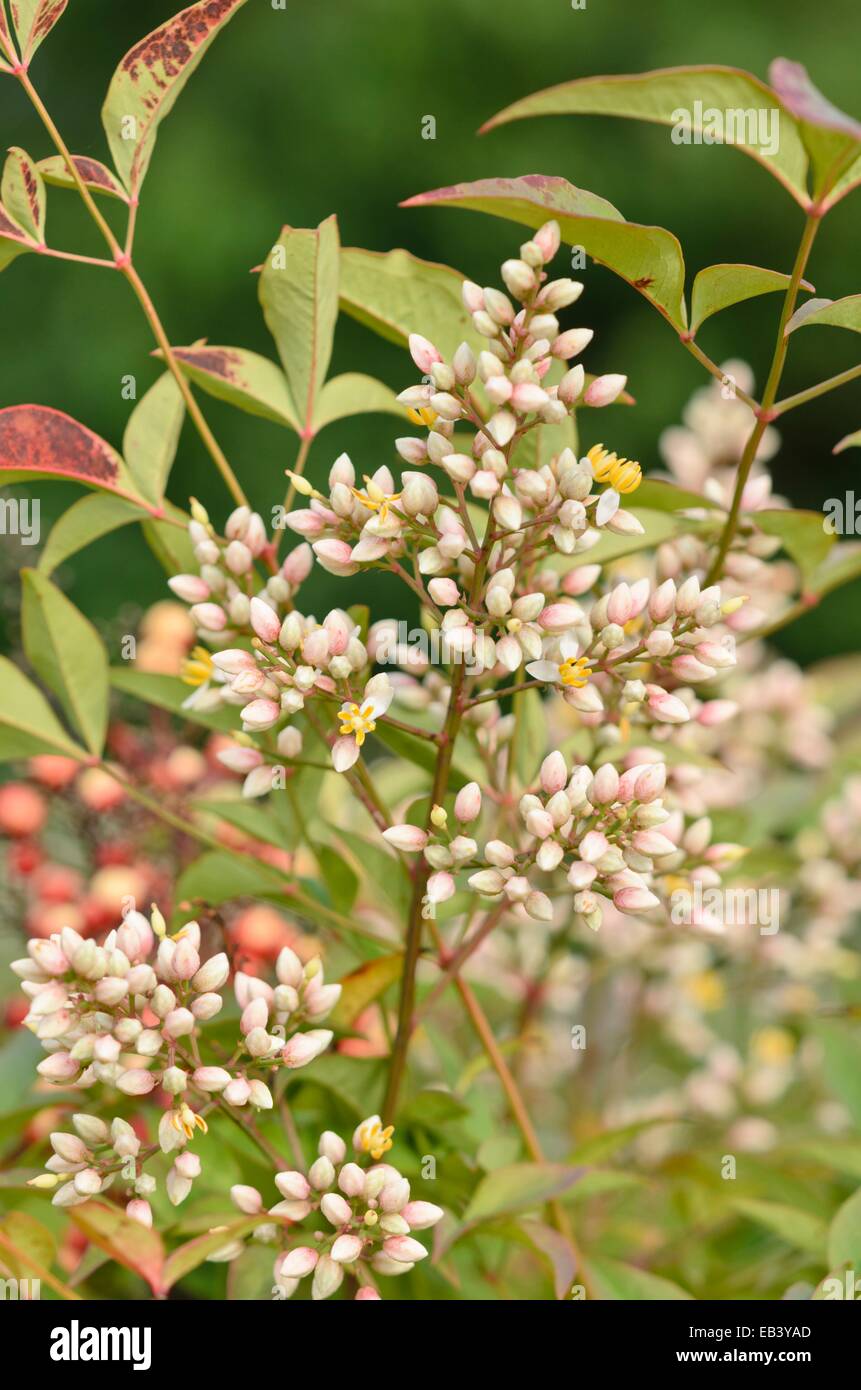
x=85, y=521
x=396, y=294
x=649, y=258
x=14, y=241
x=353, y=394
x=421, y=751
x=242, y=378
x=802, y=535
x=658, y=526
x=27, y=723
x=558, y=1251
x=299, y=294
x=217, y=877
x=841, y=566
x=64, y=649
x=657, y=496
x=830, y=136
x=799, y=1228
x=23, y=193
x=168, y=692
x=613, y=1280
x=31, y=1238
x=37, y=441
x=187, y=1257
x=667, y=95
x=844, y=1236
x=603, y=1146
x=152, y=436
x=170, y=543
x=97, y=176
x=34, y=20
x=149, y=79
x=836, y=313
x=377, y=867
x=339, y=878
x=841, y=1065
x=363, y=986
x=720, y=286
x=128, y=1242
x=519, y=1187
x=248, y=817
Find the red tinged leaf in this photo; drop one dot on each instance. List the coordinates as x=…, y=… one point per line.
x=38, y=439
x=7, y=48
x=131, y=1244
x=96, y=175
x=34, y=20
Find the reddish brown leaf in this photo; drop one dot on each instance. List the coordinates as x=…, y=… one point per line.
x=34, y=20
x=96, y=175
x=131, y=1244
x=38, y=439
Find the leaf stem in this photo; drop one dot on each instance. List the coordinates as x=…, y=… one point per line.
x=810, y=394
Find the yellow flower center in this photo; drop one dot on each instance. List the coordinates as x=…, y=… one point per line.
x=622, y=474
x=185, y=1121
x=376, y=1140
x=575, y=672
x=197, y=668
x=374, y=498
x=357, y=720
x=423, y=416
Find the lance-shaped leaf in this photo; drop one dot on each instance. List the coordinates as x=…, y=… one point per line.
x=612, y=1280
x=720, y=286
x=7, y=48
x=13, y=239
x=299, y=294
x=838, y=313
x=97, y=176
x=23, y=193
x=64, y=649
x=34, y=20
x=396, y=294
x=842, y=565
x=36, y=440
x=27, y=723
x=831, y=137
x=149, y=79
x=363, y=986
x=85, y=521
x=152, y=436
x=686, y=98
x=354, y=394
x=244, y=379
x=131, y=1244
x=649, y=258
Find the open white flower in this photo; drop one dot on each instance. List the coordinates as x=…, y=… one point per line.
x=572, y=670
x=359, y=720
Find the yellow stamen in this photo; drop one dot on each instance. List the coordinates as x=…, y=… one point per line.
x=575, y=672
x=197, y=668
x=374, y=498
x=358, y=721
x=422, y=416
x=625, y=475
x=185, y=1121
x=376, y=1140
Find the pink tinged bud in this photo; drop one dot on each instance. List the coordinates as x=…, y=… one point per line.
x=660, y=643
x=189, y=587
x=715, y=712
x=404, y=1249
x=211, y=1078
x=209, y=616
x=69, y=1147
x=234, y=660
x=367, y=1295
x=259, y=715
x=346, y=1249
x=60, y=1066
x=651, y=782
x=332, y=1146
x=581, y=875
x=254, y=1015
x=557, y=617
x=571, y=386
x=508, y=512
x=321, y=1174
x=335, y=1209
x=423, y=353
x=662, y=604
x=667, y=708
x=604, y=389
x=247, y=1199
x=186, y=961
x=539, y=907
x=299, y=1262
x=605, y=785
x=571, y=343
x=238, y=1092
x=499, y=853
x=178, y=1023
x=473, y=297
x=527, y=397
x=336, y=557
x=351, y=1180
x=554, y=773
x=444, y=592
x=293, y=1185
x=135, y=1082
x=635, y=900
x=421, y=1215
x=409, y=838
x=467, y=804
x=140, y=1211
x=548, y=240
x=653, y=844
x=580, y=580
x=328, y=1278
x=593, y=846
x=265, y=620
x=688, y=668
x=299, y=1051
x=540, y=823
x=212, y=974
x=188, y=1165
x=440, y=887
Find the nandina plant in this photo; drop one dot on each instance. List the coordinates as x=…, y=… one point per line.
x=534, y=790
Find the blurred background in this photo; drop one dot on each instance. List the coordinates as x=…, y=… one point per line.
x=318, y=108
